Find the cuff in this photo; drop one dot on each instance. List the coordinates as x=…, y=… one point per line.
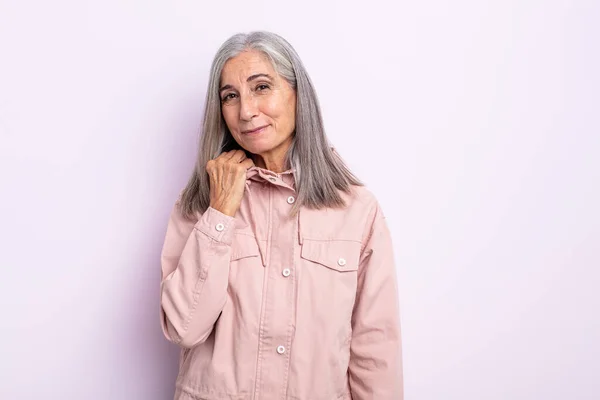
x=216, y=225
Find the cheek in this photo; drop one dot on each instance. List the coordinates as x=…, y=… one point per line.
x=230, y=118
x=290, y=116
x=290, y=109
x=280, y=110
x=271, y=107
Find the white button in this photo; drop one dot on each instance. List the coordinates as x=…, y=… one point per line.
x=341, y=262
x=272, y=179
x=291, y=200
x=281, y=349
x=286, y=272
x=220, y=227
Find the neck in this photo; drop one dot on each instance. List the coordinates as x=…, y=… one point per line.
x=273, y=160
x=270, y=164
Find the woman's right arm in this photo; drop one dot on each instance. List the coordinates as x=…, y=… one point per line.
x=196, y=254
x=195, y=273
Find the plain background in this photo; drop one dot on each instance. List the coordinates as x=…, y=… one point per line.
x=476, y=124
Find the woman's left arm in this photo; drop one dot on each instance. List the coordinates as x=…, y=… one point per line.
x=375, y=369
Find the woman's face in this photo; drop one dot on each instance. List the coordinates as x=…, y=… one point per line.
x=258, y=105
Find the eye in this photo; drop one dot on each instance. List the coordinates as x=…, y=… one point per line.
x=262, y=86
x=228, y=96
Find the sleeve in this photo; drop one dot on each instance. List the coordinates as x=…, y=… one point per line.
x=195, y=274
x=375, y=368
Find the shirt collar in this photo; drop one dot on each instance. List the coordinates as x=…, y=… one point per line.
x=285, y=178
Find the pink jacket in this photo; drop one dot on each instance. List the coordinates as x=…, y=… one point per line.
x=266, y=306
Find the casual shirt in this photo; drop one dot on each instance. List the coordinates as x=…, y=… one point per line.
x=268, y=306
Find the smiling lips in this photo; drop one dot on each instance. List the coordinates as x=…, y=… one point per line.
x=255, y=131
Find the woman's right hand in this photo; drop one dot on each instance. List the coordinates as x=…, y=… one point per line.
x=227, y=174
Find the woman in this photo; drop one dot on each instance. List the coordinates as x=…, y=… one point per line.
x=278, y=279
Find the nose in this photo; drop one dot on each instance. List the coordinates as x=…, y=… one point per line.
x=248, y=107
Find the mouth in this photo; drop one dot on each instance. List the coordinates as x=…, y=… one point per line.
x=255, y=131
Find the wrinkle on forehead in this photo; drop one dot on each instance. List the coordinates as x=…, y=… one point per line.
x=245, y=64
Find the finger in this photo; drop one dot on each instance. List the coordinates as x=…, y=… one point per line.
x=225, y=156
x=247, y=163
x=239, y=156
x=234, y=156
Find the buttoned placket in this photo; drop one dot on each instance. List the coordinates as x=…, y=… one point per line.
x=279, y=291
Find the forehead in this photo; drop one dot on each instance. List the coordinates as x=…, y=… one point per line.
x=246, y=64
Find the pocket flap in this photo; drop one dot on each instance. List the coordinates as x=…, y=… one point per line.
x=244, y=246
x=339, y=255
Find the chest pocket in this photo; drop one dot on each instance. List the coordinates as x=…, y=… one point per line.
x=327, y=284
x=245, y=269
x=244, y=246
x=337, y=255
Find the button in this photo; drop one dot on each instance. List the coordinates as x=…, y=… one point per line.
x=272, y=179
x=291, y=200
x=281, y=349
x=286, y=272
x=220, y=227
x=341, y=262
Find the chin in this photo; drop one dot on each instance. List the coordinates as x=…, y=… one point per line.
x=257, y=148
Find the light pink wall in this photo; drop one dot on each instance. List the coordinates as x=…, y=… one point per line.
x=475, y=123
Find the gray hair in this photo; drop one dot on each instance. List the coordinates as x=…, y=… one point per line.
x=319, y=172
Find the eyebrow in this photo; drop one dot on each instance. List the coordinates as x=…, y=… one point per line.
x=250, y=78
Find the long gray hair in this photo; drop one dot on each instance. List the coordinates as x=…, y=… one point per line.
x=318, y=171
